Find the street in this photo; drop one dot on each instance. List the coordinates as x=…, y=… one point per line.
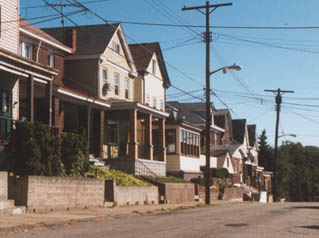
x=236, y=220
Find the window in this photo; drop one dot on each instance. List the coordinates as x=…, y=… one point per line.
x=154, y=102
x=105, y=75
x=113, y=133
x=26, y=50
x=116, y=47
x=127, y=88
x=154, y=66
x=189, y=143
x=51, y=60
x=116, y=84
x=162, y=105
x=171, y=141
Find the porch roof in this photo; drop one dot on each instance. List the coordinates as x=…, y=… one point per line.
x=77, y=95
x=21, y=66
x=125, y=105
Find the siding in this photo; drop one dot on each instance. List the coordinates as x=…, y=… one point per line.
x=9, y=25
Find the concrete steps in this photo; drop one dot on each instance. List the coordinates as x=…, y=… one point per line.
x=96, y=162
x=8, y=208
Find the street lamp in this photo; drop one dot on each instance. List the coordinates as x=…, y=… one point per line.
x=292, y=135
x=207, y=128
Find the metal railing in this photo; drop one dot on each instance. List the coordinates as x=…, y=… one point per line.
x=142, y=170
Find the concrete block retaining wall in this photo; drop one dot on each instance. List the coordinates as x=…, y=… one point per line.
x=174, y=193
x=56, y=193
x=3, y=186
x=233, y=194
x=129, y=195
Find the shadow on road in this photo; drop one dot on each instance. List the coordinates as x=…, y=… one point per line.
x=305, y=207
x=314, y=227
x=237, y=224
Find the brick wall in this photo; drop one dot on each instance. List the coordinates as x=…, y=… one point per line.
x=55, y=193
x=3, y=186
x=59, y=64
x=43, y=56
x=130, y=195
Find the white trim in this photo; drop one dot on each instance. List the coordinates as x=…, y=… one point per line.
x=29, y=64
x=68, y=50
x=153, y=110
x=13, y=71
x=40, y=80
x=26, y=71
x=62, y=91
x=119, y=67
x=146, y=161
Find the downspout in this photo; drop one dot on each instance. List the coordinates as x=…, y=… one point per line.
x=38, y=50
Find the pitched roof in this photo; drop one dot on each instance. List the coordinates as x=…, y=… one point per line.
x=219, y=120
x=186, y=113
x=91, y=39
x=239, y=128
x=25, y=25
x=142, y=55
x=220, y=112
x=251, y=134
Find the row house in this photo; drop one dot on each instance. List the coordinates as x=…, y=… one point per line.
x=128, y=82
x=185, y=132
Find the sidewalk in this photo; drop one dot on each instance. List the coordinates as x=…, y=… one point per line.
x=31, y=221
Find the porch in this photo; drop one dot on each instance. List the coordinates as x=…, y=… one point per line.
x=134, y=137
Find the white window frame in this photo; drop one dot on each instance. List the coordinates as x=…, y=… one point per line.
x=117, y=84
x=104, y=78
x=23, y=50
x=127, y=88
x=51, y=60
x=116, y=47
x=154, y=64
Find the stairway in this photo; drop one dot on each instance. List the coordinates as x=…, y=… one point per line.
x=250, y=193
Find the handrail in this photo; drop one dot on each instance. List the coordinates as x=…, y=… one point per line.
x=152, y=174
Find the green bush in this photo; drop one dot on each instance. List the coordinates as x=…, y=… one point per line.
x=32, y=150
x=201, y=181
x=217, y=172
x=75, y=154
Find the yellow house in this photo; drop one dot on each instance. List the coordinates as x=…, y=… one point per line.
x=130, y=135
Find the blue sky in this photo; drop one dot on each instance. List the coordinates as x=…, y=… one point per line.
x=271, y=59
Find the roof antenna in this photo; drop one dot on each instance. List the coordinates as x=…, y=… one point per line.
x=62, y=17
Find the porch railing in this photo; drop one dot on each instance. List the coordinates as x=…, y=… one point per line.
x=142, y=170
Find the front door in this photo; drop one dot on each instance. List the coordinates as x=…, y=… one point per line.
x=5, y=115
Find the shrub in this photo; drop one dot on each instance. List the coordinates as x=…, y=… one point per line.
x=32, y=150
x=201, y=181
x=217, y=172
x=75, y=154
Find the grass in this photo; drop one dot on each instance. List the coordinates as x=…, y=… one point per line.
x=170, y=179
x=122, y=179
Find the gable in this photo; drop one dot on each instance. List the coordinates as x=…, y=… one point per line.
x=149, y=69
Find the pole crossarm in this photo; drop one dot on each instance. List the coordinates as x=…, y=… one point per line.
x=205, y=6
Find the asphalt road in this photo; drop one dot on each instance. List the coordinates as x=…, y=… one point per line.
x=237, y=220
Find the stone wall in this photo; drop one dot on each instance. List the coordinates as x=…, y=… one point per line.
x=174, y=193
x=3, y=186
x=233, y=194
x=129, y=195
x=55, y=193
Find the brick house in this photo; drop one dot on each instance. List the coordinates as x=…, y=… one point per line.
x=130, y=134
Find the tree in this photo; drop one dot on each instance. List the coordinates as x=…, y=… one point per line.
x=265, y=157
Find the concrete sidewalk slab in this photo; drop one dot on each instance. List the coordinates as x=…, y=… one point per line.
x=28, y=221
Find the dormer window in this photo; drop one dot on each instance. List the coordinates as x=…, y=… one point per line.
x=154, y=66
x=26, y=50
x=116, y=47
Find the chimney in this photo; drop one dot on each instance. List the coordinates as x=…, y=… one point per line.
x=70, y=38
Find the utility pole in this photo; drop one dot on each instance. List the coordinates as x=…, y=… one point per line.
x=208, y=10
x=278, y=98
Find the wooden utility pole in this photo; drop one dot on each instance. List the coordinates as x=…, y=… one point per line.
x=278, y=98
x=208, y=10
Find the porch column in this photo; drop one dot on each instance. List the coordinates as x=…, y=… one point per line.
x=56, y=112
x=162, y=143
x=48, y=99
x=89, y=124
x=148, y=136
x=102, y=112
x=133, y=147
x=30, y=99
